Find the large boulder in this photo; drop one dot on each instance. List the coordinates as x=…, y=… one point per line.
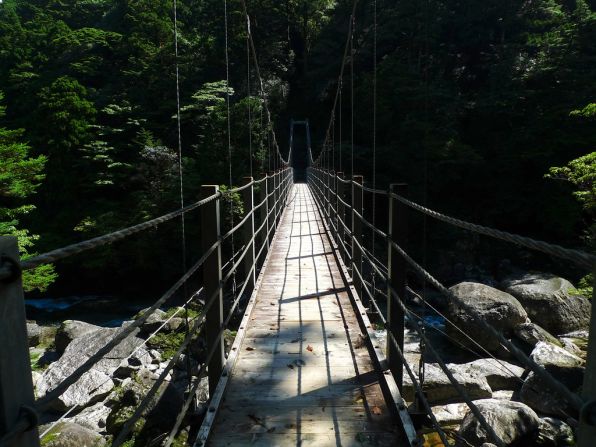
x=159, y=320
x=161, y=411
x=93, y=417
x=453, y=414
x=549, y=302
x=499, y=374
x=531, y=333
x=69, y=434
x=33, y=333
x=70, y=330
x=564, y=367
x=438, y=388
x=95, y=383
x=497, y=308
x=576, y=342
x=513, y=422
x=554, y=433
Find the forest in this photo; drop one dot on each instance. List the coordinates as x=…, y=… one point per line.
x=486, y=109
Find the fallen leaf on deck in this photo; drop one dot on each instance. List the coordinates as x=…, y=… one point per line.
x=359, y=399
x=248, y=348
x=309, y=348
x=376, y=410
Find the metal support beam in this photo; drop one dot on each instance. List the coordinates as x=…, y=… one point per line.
x=357, y=194
x=398, y=232
x=270, y=204
x=587, y=420
x=16, y=385
x=210, y=234
x=341, y=213
x=248, y=232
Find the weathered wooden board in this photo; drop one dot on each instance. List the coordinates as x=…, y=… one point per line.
x=303, y=375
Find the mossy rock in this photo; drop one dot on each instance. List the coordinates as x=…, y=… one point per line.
x=167, y=344
x=69, y=434
x=119, y=417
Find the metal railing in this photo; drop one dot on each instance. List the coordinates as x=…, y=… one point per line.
x=341, y=203
x=19, y=409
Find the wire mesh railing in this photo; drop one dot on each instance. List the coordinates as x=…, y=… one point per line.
x=346, y=221
x=257, y=225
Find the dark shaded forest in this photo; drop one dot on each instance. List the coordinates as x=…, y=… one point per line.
x=486, y=109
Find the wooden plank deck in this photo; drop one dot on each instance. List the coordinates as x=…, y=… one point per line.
x=302, y=374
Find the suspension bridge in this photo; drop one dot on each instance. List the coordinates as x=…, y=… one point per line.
x=306, y=366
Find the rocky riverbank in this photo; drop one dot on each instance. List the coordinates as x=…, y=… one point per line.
x=103, y=399
x=540, y=314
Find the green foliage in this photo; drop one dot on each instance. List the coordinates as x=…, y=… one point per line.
x=20, y=176
x=475, y=95
x=180, y=312
x=585, y=287
x=581, y=173
x=34, y=357
x=167, y=343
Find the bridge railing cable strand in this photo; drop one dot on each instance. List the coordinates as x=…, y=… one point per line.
x=273, y=204
x=330, y=195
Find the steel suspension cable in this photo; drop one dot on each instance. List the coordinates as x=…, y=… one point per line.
x=340, y=77
x=262, y=88
x=229, y=122
x=374, y=137
x=181, y=179
x=248, y=93
x=353, y=18
x=340, y=125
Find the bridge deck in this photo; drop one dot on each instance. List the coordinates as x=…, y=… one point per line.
x=302, y=375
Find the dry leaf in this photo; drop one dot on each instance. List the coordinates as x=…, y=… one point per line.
x=359, y=399
x=309, y=348
x=376, y=410
x=248, y=348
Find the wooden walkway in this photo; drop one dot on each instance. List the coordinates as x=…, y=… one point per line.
x=302, y=374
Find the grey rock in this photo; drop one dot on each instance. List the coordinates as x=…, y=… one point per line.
x=548, y=301
x=35, y=376
x=554, y=433
x=93, y=417
x=500, y=375
x=576, y=342
x=513, y=422
x=69, y=330
x=141, y=357
x=94, y=384
x=69, y=434
x=154, y=321
x=161, y=411
x=531, y=333
x=549, y=355
x=450, y=414
x=563, y=366
x=156, y=356
x=497, y=308
x=33, y=333
x=438, y=388
x=539, y=396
